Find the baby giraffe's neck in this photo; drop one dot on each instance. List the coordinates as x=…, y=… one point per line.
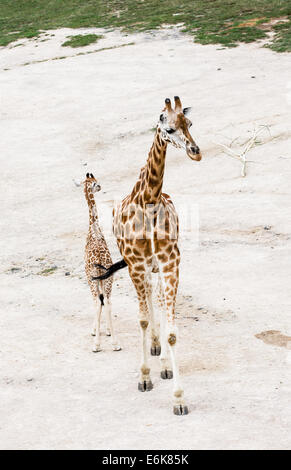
x=94, y=227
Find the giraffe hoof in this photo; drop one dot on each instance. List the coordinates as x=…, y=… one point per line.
x=108, y=332
x=166, y=374
x=145, y=386
x=180, y=410
x=96, y=349
x=155, y=350
x=116, y=348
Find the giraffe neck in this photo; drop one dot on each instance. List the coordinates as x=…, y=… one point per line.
x=148, y=188
x=94, y=228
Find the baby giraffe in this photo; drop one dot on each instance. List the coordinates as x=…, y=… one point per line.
x=97, y=252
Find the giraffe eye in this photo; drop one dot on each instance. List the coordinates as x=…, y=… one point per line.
x=170, y=131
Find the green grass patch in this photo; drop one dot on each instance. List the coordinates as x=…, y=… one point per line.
x=282, y=41
x=47, y=271
x=224, y=22
x=81, y=40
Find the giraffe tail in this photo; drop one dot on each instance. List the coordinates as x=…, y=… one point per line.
x=109, y=271
x=101, y=297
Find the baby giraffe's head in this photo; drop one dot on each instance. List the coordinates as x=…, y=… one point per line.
x=174, y=126
x=91, y=184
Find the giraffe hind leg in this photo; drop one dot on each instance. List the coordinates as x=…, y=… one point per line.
x=165, y=361
x=155, y=337
x=139, y=281
x=145, y=383
x=170, y=279
x=155, y=350
x=96, y=343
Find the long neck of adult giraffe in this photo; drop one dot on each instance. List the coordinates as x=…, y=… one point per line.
x=94, y=227
x=148, y=188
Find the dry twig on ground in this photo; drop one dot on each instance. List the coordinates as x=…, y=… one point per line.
x=252, y=142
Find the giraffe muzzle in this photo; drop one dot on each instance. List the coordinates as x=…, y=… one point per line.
x=96, y=187
x=193, y=152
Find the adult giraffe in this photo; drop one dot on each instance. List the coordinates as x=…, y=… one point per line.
x=146, y=227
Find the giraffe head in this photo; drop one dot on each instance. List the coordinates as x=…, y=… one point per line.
x=90, y=184
x=174, y=127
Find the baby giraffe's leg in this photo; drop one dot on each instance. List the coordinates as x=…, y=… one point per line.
x=107, y=288
x=93, y=332
x=95, y=295
x=155, y=346
x=96, y=344
x=138, y=279
x=95, y=318
x=107, y=307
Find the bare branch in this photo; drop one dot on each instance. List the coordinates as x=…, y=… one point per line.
x=246, y=147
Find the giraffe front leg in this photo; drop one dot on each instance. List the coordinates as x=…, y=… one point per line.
x=178, y=392
x=145, y=383
x=165, y=360
x=155, y=337
x=95, y=319
x=170, y=285
x=107, y=306
x=94, y=327
x=108, y=323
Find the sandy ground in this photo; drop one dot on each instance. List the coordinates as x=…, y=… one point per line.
x=94, y=112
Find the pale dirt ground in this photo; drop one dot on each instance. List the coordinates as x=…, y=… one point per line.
x=94, y=112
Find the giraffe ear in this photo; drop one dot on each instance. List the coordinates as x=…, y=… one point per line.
x=187, y=111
